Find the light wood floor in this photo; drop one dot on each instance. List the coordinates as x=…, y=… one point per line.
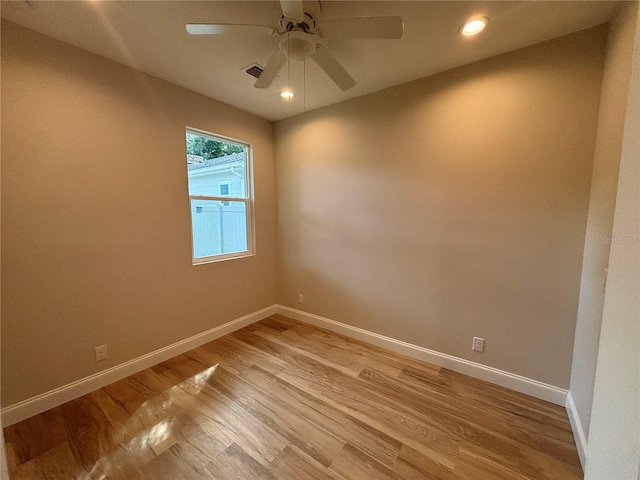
x=283, y=400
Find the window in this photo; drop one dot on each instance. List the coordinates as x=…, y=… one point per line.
x=220, y=194
x=224, y=189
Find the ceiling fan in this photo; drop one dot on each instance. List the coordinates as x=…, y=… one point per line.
x=302, y=35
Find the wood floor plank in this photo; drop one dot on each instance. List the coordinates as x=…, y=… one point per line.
x=54, y=464
x=11, y=456
x=530, y=462
x=190, y=460
x=340, y=359
x=27, y=439
x=346, y=427
x=252, y=435
x=89, y=431
x=282, y=400
x=120, y=463
x=373, y=352
x=474, y=420
x=234, y=462
x=291, y=464
x=25, y=471
x=170, y=467
x=348, y=395
x=273, y=353
x=352, y=464
x=234, y=356
x=355, y=399
x=324, y=348
x=126, y=425
x=190, y=412
x=412, y=465
x=129, y=432
x=506, y=400
x=328, y=356
x=305, y=336
x=470, y=465
x=221, y=419
x=536, y=423
x=279, y=415
x=125, y=472
x=130, y=397
x=253, y=355
x=278, y=322
x=388, y=421
x=469, y=390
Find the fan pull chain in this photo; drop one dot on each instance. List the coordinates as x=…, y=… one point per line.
x=288, y=62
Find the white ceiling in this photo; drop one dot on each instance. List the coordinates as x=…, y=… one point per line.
x=151, y=36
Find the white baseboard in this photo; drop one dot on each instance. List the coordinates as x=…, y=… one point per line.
x=58, y=396
x=578, y=431
x=515, y=382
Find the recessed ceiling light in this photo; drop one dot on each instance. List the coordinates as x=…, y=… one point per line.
x=287, y=94
x=473, y=26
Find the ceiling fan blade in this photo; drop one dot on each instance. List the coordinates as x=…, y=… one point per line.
x=222, y=28
x=332, y=67
x=293, y=9
x=271, y=70
x=375, y=27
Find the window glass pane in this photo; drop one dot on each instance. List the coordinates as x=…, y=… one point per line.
x=225, y=189
x=210, y=162
x=218, y=227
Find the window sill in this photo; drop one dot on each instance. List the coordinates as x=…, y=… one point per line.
x=221, y=258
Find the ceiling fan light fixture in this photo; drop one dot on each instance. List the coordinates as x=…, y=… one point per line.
x=287, y=94
x=297, y=46
x=473, y=26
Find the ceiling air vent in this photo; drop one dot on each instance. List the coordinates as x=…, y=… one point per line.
x=254, y=70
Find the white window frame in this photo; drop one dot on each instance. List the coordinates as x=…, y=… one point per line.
x=248, y=200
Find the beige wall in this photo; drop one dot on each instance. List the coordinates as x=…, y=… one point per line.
x=449, y=207
x=613, y=451
x=95, y=215
x=613, y=103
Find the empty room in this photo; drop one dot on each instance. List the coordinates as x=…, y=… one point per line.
x=328, y=240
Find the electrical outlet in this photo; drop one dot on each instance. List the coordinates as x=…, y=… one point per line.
x=478, y=344
x=300, y=298
x=101, y=353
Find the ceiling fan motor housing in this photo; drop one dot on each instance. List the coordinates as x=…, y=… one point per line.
x=309, y=22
